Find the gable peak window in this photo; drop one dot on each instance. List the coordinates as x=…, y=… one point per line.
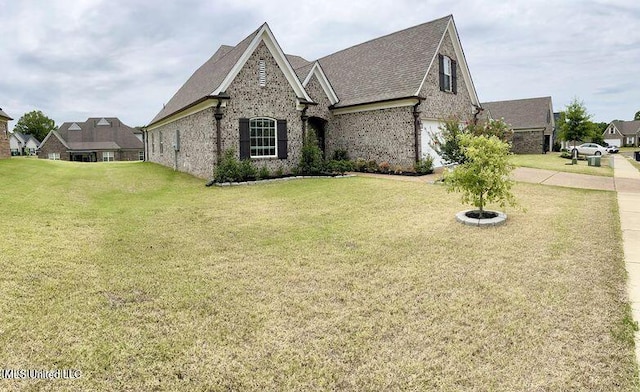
x=262, y=73
x=448, y=79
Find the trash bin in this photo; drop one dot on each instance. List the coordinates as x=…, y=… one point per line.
x=593, y=160
x=637, y=155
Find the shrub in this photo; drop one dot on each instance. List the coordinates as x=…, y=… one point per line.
x=340, y=155
x=360, y=165
x=263, y=173
x=372, y=166
x=247, y=170
x=397, y=169
x=279, y=172
x=384, y=167
x=311, y=158
x=228, y=169
x=339, y=166
x=424, y=166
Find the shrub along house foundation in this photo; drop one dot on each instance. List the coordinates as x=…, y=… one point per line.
x=378, y=100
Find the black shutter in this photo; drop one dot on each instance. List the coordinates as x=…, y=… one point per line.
x=441, y=70
x=245, y=142
x=454, y=79
x=282, y=139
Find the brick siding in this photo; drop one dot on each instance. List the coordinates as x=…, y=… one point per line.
x=5, y=151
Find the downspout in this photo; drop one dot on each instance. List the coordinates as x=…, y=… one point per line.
x=304, y=119
x=476, y=113
x=218, y=117
x=416, y=130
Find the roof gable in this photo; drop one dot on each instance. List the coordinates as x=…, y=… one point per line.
x=265, y=35
x=462, y=61
x=393, y=66
x=317, y=71
x=214, y=77
x=626, y=127
x=56, y=135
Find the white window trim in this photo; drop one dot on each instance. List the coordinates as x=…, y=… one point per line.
x=446, y=65
x=111, y=157
x=275, y=129
x=54, y=156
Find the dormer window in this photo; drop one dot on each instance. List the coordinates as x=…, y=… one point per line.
x=262, y=73
x=447, y=74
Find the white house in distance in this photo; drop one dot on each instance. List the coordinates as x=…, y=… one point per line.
x=22, y=144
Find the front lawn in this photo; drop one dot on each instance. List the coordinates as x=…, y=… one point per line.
x=144, y=279
x=553, y=161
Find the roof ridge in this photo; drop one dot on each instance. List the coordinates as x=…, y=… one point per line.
x=450, y=16
x=519, y=99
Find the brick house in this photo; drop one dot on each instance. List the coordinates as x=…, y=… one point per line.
x=531, y=119
x=378, y=100
x=95, y=140
x=622, y=133
x=5, y=151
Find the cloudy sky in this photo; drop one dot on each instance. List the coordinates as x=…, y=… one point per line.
x=74, y=59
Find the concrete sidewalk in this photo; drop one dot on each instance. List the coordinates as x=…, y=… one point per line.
x=627, y=179
x=571, y=180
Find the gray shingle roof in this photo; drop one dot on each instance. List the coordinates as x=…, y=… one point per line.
x=522, y=113
x=627, y=127
x=388, y=67
x=92, y=136
x=4, y=115
x=206, y=78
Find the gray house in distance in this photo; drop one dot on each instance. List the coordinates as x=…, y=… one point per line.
x=622, y=133
x=98, y=139
x=378, y=100
x=531, y=119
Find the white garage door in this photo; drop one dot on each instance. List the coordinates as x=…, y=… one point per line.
x=613, y=142
x=428, y=128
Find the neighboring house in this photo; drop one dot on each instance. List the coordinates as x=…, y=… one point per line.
x=378, y=100
x=622, y=133
x=95, y=140
x=531, y=119
x=22, y=144
x=5, y=152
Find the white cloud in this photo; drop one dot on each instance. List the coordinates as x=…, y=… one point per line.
x=81, y=58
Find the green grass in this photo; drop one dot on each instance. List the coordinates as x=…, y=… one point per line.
x=552, y=161
x=144, y=279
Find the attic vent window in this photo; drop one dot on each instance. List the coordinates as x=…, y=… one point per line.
x=103, y=122
x=262, y=73
x=75, y=127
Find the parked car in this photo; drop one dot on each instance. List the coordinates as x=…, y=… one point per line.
x=613, y=150
x=590, y=149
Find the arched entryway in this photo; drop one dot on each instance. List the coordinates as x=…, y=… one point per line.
x=318, y=126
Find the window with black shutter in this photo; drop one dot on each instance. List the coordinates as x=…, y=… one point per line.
x=448, y=74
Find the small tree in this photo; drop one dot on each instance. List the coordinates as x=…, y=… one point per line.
x=575, y=124
x=484, y=177
x=311, y=156
x=637, y=116
x=35, y=123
